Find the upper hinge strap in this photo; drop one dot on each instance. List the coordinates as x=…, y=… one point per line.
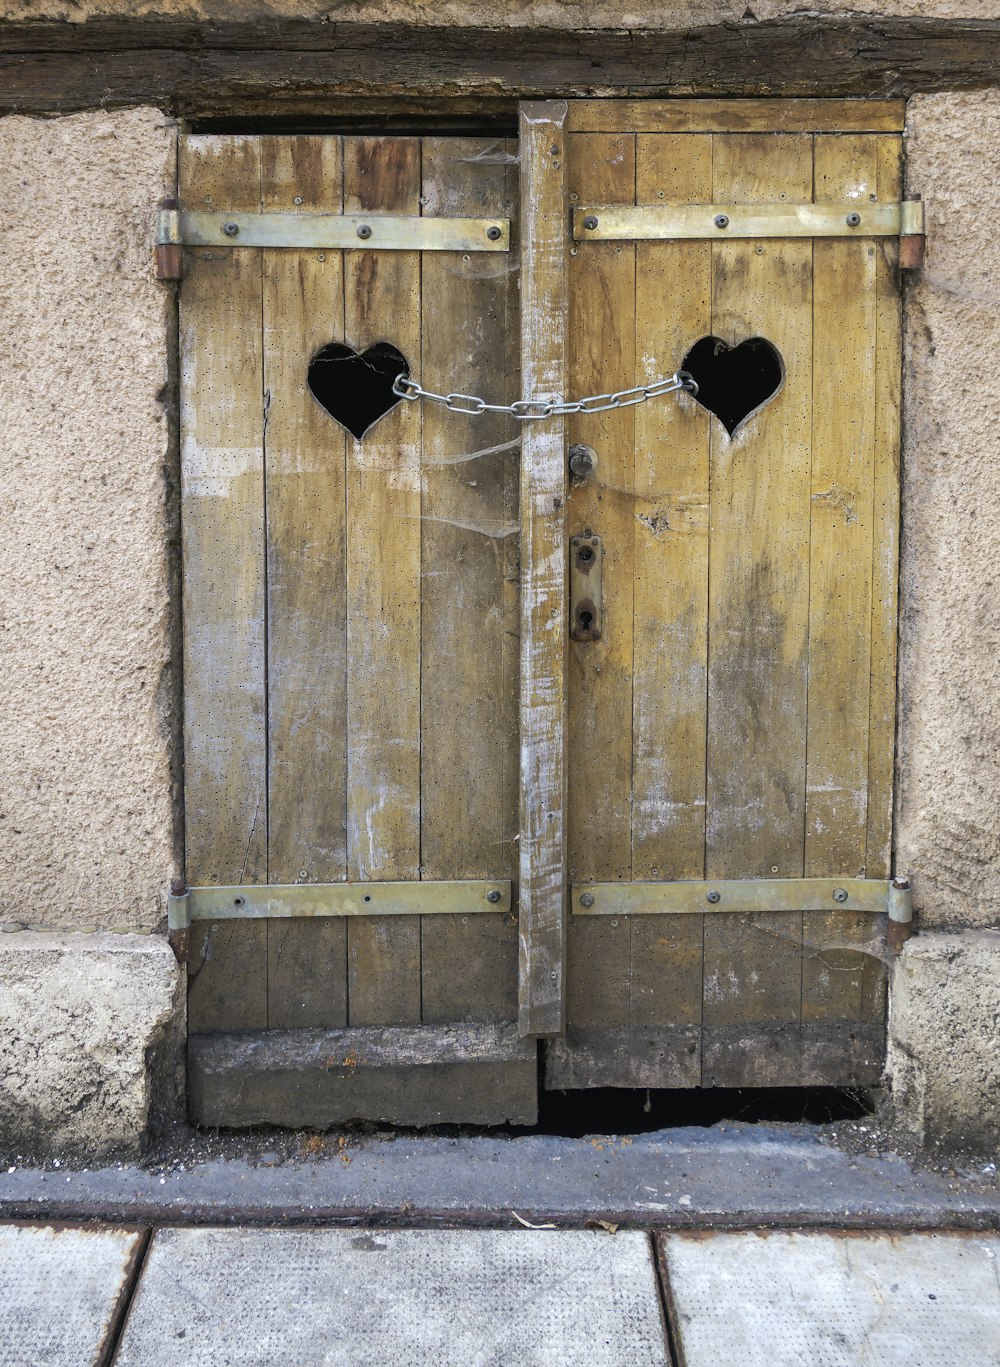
x=333, y=232
x=679, y=222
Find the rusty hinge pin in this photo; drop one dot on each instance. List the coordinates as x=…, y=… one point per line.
x=900, y=903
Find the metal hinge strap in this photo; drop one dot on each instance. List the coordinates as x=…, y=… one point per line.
x=465, y=897
x=333, y=232
x=681, y=222
x=869, y=895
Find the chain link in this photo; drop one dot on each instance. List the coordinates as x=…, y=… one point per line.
x=527, y=409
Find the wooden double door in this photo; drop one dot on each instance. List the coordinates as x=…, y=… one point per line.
x=428, y=828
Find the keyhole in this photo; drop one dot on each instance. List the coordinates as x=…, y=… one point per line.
x=586, y=619
x=585, y=555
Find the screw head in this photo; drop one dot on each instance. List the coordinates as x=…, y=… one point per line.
x=364, y=232
x=840, y=894
x=721, y=220
x=493, y=895
x=713, y=897
x=494, y=233
x=231, y=229
x=590, y=222
x=587, y=900
x=297, y=199
x=853, y=220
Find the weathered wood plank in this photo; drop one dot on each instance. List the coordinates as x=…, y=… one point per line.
x=543, y=577
x=735, y=116
x=672, y=310
x=382, y=303
x=601, y=168
x=222, y=493
x=844, y=345
x=296, y=68
x=469, y=531
x=303, y=308
x=885, y=540
x=758, y=623
x=844, y=352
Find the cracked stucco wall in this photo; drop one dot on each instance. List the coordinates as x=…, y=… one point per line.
x=86, y=820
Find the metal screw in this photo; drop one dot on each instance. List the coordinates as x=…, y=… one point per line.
x=853, y=220
x=713, y=897
x=364, y=232
x=587, y=900
x=553, y=975
x=297, y=199
x=840, y=894
x=590, y=222
x=614, y=921
x=721, y=220
x=494, y=233
x=901, y=884
x=494, y=895
x=231, y=229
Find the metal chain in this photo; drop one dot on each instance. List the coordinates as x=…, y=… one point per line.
x=526, y=409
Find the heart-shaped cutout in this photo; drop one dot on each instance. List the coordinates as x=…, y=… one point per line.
x=356, y=388
x=734, y=383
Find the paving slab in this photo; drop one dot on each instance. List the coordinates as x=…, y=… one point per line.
x=62, y=1292
x=834, y=1300
x=343, y=1298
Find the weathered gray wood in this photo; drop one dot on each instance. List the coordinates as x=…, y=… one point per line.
x=292, y=67
x=478, y=1075
x=543, y=576
x=636, y=1056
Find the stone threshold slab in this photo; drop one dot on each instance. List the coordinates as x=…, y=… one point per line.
x=732, y=1176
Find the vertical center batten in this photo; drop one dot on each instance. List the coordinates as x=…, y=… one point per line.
x=544, y=245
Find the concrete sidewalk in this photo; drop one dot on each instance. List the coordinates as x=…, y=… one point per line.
x=318, y=1297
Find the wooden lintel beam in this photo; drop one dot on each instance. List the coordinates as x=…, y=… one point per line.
x=242, y=71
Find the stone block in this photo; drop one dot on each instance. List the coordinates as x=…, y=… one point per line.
x=944, y=1039
x=90, y=1034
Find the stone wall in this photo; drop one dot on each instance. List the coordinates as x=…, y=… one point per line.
x=86, y=822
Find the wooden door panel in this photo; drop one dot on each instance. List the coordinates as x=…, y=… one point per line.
x=749, y=660
x=351, y=606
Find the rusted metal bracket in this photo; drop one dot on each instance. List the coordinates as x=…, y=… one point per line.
x=282, y=901
x=742, y=895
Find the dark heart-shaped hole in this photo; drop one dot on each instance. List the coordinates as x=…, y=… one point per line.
x=356, y=388
x=735, y=382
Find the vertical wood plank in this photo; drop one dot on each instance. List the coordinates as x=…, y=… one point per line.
x=670, y=622
x=469, y=533
x=844, y=419
x=382, y=303
x=673, y=310
x=601, y=309
x=543, y=582
x=758, y=628
x=303, y=309
x=840, y=554
x=601, y=170
x=222, y=492
x=885, y=541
